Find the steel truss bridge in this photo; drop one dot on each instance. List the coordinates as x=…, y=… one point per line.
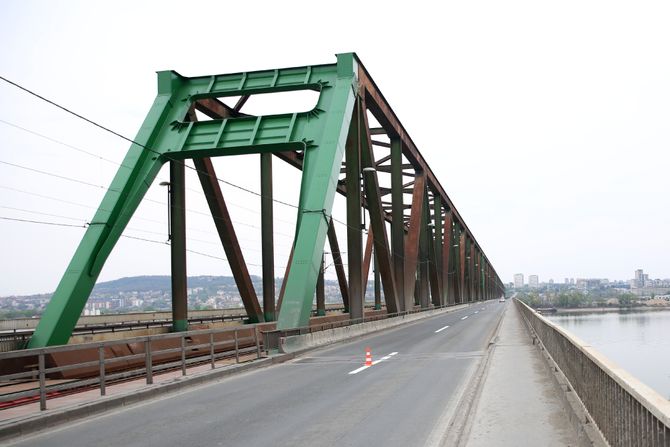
x=425, y=254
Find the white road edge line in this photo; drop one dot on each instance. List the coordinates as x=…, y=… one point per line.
x=363, y=368
x=464, y=317
x=441, y=329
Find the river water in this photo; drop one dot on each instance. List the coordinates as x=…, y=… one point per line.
x=638, y=341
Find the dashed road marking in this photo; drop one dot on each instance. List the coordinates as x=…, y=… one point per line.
x=464, y=317
x=441, y=329
x=363, y=368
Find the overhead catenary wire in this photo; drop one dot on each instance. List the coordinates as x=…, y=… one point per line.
x=96, y=156
x=130, y=140
x=147, y=199
x=154, y=241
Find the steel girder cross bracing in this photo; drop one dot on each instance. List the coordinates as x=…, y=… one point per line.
x=426, y=253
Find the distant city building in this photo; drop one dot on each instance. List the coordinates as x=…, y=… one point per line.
x=639, y=278
x=518, y=280
x=533, y=281
x=567, y=280
x=551, y=281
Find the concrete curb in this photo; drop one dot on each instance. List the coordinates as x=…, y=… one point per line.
x=460, y=424
x=12, y=429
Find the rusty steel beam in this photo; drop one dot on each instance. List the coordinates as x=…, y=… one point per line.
x=367, y=258
x=282, y=289
x=179, y=278
x=267, y=238
x=339, y=268
x=224, y=227
x=354, y=203
x=397, y=224
x=378, y=292
x=321, y=291
x=376, y=211
x=424, y=260
x=412, y=241
x=471, y=271
x=461, y=248
x=438, y=248
x=385, y=115
x=433, y=259
x=447, y=274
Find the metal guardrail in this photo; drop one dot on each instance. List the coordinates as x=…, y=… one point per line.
x=627, y=412
x=18, y=336
x=187, y=354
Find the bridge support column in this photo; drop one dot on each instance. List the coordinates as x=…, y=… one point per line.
x=424, y=290
x=267, y=238
x=378, y=292
x=177, y=192
x=354, y=233
x=320, y=292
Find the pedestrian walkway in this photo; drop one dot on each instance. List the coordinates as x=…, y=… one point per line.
x=520, y=402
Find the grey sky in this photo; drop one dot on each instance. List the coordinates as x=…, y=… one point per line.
x=546, y=122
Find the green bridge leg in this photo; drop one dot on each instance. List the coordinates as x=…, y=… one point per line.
x=129, y=186
x=317, y=192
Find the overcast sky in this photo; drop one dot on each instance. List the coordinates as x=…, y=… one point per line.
x=548, y=123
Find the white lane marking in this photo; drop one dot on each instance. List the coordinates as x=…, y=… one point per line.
x=464, y=317
x=483, y=308
x=476, y=311
x=363, y=368
x=441, y=329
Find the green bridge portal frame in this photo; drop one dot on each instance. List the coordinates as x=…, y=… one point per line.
x=430, y=259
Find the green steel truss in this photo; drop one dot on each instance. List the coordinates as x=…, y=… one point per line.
x=166, y=135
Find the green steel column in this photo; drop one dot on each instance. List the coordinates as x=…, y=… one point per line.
x=321, y=292
x=132, y=180
x=354, y=232
x=321, y=169
x=267, y=238
x=397, y=222
x=178, y=246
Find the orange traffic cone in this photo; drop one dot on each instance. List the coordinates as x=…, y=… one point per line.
x=368, y=356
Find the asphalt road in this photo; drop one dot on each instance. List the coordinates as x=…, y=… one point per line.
x=404, y=400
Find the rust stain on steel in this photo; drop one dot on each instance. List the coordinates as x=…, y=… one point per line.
x=412, y=241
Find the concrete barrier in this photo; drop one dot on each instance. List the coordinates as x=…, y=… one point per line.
x=297, y=343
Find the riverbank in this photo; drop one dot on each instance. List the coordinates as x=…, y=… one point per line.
x=589, y=310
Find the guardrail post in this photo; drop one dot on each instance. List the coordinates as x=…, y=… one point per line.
x=148, y=362
x=101, y=359
x=183, y=355
x=211, y=348
x=43, y=391
x=237, y=352
x=258, y=344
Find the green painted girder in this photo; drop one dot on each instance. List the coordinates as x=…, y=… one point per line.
x=165, y=136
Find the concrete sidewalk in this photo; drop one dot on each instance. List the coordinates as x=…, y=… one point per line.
x=520, y=402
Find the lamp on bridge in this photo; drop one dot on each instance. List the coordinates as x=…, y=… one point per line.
x=169, y=192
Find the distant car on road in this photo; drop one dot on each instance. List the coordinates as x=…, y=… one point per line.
x=501, y=300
